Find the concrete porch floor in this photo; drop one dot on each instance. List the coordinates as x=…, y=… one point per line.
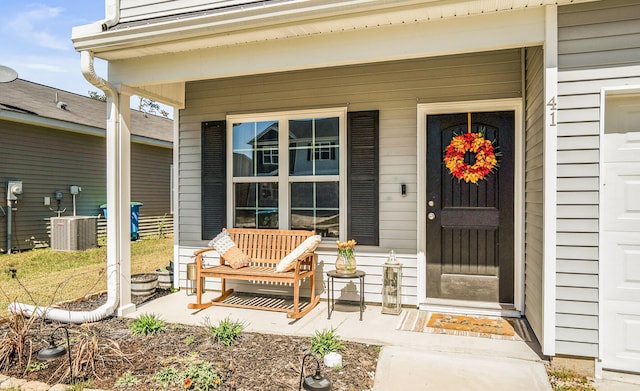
x=408, y=360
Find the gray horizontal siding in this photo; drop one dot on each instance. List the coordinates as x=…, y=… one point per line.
x=596, y=41
x=601, y=34
x=393, y=88
x=47, y=160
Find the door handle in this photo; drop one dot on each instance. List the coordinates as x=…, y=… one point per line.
x=431, y=216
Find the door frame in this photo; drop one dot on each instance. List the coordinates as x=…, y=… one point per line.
x=509, y=104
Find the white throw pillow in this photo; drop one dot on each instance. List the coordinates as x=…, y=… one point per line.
x=233, y=256
x=307, y=246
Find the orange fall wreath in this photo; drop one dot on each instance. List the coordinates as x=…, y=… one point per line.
x=485, y=157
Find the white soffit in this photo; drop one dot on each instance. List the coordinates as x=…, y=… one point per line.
x=495, y=31
x=280, y=21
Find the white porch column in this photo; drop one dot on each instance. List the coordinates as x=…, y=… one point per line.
x=119, y=197
x=550, y=177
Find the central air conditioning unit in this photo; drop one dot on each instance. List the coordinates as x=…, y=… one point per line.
x=73, y=233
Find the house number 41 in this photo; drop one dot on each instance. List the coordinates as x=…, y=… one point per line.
x=553, y=107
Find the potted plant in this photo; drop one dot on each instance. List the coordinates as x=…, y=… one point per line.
x=144, y=284
x=165, y=276
x=346, y=260
x=327, y=345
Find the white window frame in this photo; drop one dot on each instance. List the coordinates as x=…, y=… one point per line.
x=269, y=155
x=321, y=148
x=283, y=178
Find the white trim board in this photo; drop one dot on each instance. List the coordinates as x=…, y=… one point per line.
x=550, y=164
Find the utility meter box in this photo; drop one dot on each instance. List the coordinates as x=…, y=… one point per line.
x=14, y=189
x=74, y=233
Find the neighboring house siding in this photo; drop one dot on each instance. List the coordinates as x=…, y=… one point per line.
x=46, y=160
x=394, y=89
x=599, y=45
x=534, y=196
x=150, y=178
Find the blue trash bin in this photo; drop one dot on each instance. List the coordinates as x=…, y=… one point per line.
x=135, y=218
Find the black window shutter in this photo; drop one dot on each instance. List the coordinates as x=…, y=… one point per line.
x=214, y=178
x=362, y=166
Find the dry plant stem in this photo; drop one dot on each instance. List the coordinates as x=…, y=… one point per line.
x=16, y=344
x=89, y=350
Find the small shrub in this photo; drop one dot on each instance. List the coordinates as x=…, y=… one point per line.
x=166, y=377
x=188, y=373
x=325, y=341
x=78, y=386
x=201, y=375
x=162, y=227
x=127, y=380
x=189, y=340
x=36, y=366
x=566, y=380
x=226, y=332
x=147, y=324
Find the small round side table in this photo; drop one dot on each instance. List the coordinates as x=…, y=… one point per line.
x=331, y=297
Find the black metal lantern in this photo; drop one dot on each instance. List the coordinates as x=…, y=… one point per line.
x=315, y=382
x=391, y=285
x=54, y=351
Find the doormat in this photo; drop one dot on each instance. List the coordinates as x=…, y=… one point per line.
x=471, y=324
x=515, y=329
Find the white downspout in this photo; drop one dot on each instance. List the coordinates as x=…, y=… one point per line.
x=112, y=14
x=60, y=315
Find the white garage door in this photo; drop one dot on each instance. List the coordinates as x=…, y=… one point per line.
x=620, y=235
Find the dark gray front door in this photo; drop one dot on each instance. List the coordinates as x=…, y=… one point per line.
x=470, y=226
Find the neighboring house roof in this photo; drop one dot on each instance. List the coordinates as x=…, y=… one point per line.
x=22, y=100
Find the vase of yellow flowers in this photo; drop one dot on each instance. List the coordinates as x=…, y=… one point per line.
x=346, y=261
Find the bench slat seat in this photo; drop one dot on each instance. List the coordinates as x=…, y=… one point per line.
x=266, y=247
x=248, y=272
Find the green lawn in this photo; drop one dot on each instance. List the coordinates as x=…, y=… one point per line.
x=44, y=277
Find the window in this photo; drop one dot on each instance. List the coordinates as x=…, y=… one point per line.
x=308, y=190
x=270, y=156
x=287, y=171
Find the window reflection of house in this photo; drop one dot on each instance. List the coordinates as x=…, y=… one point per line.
x=317, y=138
x=312, y=179
x=265, y=150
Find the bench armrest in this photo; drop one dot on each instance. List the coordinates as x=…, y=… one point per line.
x=198, y=255
x=306, y=259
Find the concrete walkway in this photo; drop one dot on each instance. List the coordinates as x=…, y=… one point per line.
x=408, y=360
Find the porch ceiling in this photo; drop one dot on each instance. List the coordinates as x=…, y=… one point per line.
x=268, y=21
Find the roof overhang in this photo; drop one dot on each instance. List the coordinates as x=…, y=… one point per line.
x=272, y=20
x=65, y=126
x=159, y=55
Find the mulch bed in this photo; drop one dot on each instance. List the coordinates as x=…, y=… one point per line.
x=254, y=362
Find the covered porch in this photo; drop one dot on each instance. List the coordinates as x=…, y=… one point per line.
x=218, y=72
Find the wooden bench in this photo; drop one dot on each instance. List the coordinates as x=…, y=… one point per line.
x=265, y=247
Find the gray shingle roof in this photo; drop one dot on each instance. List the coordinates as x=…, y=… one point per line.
x=25, y=97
